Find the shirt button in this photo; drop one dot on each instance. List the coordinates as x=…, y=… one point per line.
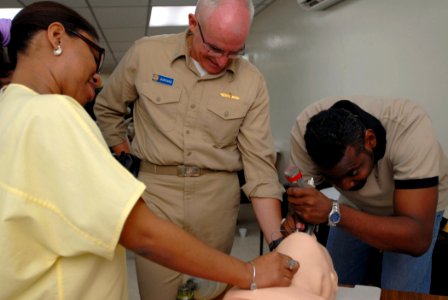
x=158, y=99
x=187, y=131
x=189, y=153
x=192, y=106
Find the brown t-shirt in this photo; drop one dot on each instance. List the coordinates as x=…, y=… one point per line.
x=412, y=153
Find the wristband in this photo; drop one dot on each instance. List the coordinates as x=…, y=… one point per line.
x=275, y=243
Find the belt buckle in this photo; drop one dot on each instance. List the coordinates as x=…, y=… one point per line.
x=188, y=171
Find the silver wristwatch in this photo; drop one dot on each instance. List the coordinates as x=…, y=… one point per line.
x=334, y=217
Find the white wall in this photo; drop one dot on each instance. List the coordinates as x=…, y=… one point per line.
x=368, y=47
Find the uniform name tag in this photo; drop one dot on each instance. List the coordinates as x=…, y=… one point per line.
x=162, y=79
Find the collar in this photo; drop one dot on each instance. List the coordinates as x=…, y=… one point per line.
x=370, y=122
x=182, y=47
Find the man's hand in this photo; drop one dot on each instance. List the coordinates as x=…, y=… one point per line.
x=310, y=206
x=291, y=224
x=122, y=147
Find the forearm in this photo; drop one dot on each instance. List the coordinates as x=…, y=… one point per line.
x=268, y=213
x=390, y=233
x=112, y=106
x=408, y=230
x=166, y=244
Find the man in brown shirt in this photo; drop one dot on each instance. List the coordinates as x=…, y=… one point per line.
x=382, y=155
x=201, y=113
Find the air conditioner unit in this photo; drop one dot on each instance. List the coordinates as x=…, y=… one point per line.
x=316, y=4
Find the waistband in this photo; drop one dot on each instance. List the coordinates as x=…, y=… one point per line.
x=180, y=170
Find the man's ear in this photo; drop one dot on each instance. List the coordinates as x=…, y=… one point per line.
x=369, y=139
x=192, y=22
x=55, y=32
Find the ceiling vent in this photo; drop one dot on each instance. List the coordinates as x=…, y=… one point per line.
x=316, y=4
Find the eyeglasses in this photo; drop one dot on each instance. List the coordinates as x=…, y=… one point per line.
x=217, y=52
x=99, y=60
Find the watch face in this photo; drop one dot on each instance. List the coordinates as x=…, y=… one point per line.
x=335, y=217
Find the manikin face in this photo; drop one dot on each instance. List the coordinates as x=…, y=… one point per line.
x=316, y=278
x=352, y=171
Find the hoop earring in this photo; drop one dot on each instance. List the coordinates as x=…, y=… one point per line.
x=57, y=51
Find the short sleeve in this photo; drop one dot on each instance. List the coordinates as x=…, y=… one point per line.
x=68, y=183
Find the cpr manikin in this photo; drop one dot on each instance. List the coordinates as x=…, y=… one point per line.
x=316, y=278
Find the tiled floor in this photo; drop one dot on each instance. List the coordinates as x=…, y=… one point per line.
x=245, y=248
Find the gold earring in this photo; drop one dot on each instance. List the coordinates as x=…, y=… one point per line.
x=57, y=51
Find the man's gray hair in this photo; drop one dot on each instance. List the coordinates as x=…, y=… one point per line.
x=204, y=6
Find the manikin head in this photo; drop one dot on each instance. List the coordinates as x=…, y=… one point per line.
x=316, y=278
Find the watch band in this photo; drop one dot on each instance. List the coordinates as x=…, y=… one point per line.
x=275, y=243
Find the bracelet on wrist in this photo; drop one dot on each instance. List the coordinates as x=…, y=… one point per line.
x=253, y=285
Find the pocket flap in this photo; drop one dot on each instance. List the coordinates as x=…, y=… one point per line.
x=161, y=94
x=227, y=110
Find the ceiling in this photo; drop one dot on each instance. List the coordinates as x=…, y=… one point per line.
x=121, y=22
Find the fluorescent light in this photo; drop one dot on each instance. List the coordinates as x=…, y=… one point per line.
x=170, y=15
x=8, y=13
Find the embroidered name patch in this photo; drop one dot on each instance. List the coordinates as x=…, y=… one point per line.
x=229, y=96
x=162, y=79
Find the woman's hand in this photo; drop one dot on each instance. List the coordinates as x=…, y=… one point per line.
x=273, y=269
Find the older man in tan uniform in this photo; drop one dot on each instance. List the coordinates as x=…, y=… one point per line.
x=201, y=113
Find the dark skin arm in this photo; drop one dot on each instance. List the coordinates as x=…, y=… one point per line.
x=165, y=243
x=409, y=230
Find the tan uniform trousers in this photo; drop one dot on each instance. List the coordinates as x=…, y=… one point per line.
x=206, y=206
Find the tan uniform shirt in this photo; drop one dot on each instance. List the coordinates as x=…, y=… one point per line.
x=413, y=154
x=220, y=122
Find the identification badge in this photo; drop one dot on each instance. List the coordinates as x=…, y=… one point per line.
x=162, y=79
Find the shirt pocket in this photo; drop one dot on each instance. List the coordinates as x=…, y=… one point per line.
x=161, y=104
x=223, y=121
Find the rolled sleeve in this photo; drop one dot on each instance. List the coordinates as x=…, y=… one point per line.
x=257, y=149
x=264, y=189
